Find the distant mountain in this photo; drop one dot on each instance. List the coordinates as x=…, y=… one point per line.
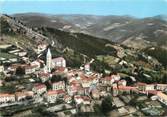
x=122, y=29
x=162, y=17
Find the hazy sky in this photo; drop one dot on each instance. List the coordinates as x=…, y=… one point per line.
x=137, y=8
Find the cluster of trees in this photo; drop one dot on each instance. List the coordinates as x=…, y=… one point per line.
x=154, y=77
x=81, y=43
x=105, y=107
x=160, y=54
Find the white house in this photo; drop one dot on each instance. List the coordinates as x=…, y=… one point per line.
x=39, y=88
x=162, y=97
x=30, y=69
x=21, y=54
x=53, y=95
x=6, y=97
x=82, y=100
x=59, y=62
x=108, y=80
x=150, y=87
x=122, y=82
x=161, y=87
x=86, y=81
x=58, y=85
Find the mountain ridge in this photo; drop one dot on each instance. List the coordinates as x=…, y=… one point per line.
x=113, y=28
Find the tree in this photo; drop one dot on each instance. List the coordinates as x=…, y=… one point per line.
x=20, y=71
x=106, y=105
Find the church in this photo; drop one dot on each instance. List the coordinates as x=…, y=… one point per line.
x=55, y=62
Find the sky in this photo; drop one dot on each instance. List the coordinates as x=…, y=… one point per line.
x=136, y=8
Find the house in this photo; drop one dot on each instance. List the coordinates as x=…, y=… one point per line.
x=162, y=97
x=86, y=81
x=24, y=94
x=141, y=86
x=58, y=85
x=29, y=69
x=59, y=62
x=108, y=80
x=1, y=68
x=150, y=87
x=39, y=88
x=116, y=77
x=20, y=96
x=6, y=97
x=53, y=95
x=44, y=76
x=120, y=89
x=73, y=90
x=122, y=82
x=161, y=87
x=145, y=87
x=21, y=54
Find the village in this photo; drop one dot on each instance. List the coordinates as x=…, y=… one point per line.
x=48, y=85
x=66, y=91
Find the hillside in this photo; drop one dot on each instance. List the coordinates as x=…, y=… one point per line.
x=82, y=43
x=127, y=30
x=75, y=47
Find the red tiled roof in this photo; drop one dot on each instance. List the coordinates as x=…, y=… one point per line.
x=44, y=74
x=85, y=98
x=108, y=78
x=53, y=92
x=6, y=95
x=76, y=88
x=39, y=86
x=58, y=83
x=24, y=93
x=125, y=88
x=60, y=69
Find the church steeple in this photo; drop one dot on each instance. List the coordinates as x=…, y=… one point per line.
x=49, y=60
